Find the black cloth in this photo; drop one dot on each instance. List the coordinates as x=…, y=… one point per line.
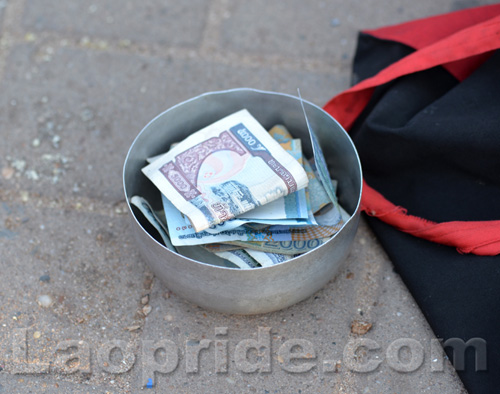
x=431, y=144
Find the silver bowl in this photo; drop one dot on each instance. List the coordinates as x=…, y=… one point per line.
x=259, y=290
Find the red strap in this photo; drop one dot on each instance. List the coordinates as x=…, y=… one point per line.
x=433, y=29
x=481, y=238
x=470, y=36
x=474, y=40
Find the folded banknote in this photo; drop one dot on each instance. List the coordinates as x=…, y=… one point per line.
x=182, y=233
x=227, y=168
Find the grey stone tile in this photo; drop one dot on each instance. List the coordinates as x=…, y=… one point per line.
x=316, y=29
x=71, y=118
x=46, y=384
x=151, y=21
x=3, y=4
x=366, y=290
x=70, y=279
x=70, y=108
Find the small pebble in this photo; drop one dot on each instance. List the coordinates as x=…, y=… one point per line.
x=133, y=328
x=101, y=44
x=8, y=172
x=29, y=37
x=45, y=301
x=37, y=334
x=145, y=299
x=87, y=115
x=19, y=165
x=125, y=43
x=55, y=141
x=35, y=143
x=335, y=22
x=147, y=310
x=45, y=278
x=32, y=175
x=360, y=327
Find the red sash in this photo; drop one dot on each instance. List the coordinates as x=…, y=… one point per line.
x=460, y=41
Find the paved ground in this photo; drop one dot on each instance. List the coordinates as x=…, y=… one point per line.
x=78, y=81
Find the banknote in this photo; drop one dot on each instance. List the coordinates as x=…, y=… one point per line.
x=266, y=259
x=280, y=133
x=192, y=252
x=317, y=195
x=240, y=258
x=283, y=247
x=147, y=211
x=247, y=259
x=218, y=247
x=295, y=147
x=227, y=168
x=291, y=209
x=182, y=233
x=328, y=217
x=321, y=166
x=258, y=224
x=291, y=206
x=200, y=254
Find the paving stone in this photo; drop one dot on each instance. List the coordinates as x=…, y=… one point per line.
x=73, y=118
x=26, y=384
x=149, y=21
x=317, y=29
x=94, y=292
x=79, y=80
x=3, y=4
x=366, y=289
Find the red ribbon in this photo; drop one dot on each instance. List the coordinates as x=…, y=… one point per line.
x=460, y=42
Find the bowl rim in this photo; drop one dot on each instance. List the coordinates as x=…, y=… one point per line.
x=220, y=92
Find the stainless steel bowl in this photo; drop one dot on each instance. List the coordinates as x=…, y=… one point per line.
x=259, y=290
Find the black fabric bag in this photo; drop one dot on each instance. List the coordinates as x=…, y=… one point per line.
x=431, y=144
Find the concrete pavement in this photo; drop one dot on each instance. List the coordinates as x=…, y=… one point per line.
x=79, y=310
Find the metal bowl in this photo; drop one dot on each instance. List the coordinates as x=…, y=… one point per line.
x=259, y=290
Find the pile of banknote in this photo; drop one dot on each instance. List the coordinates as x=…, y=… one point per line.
x=237, y=195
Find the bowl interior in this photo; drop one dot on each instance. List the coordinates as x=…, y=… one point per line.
x=269, y=109
x=259, y=290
